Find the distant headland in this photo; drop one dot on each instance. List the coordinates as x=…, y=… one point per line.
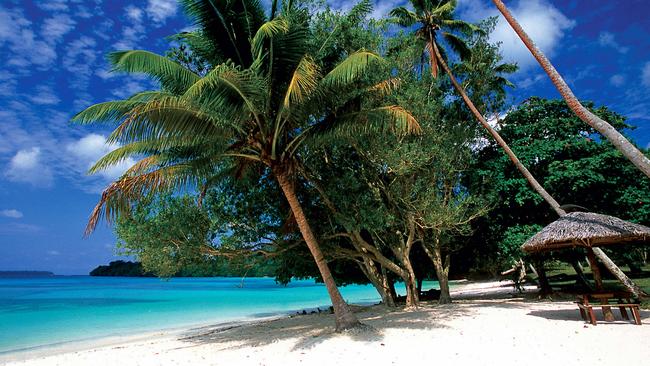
x=23, y=274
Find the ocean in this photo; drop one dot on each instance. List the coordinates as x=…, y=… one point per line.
x=38, y=312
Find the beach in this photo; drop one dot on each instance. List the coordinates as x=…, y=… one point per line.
x=488, y=324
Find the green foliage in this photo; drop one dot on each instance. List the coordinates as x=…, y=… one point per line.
x=165, y=233
x=509, y=246
x=569, y=159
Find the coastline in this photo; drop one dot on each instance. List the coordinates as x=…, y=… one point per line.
x=487, y=324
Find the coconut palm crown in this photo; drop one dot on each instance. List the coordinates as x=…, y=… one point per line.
x=435, y=19
x=266, y=102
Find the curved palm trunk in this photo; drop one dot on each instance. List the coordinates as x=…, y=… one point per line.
x=345, y=318
x=609, y=264
x=616, y=138
x=529, y=177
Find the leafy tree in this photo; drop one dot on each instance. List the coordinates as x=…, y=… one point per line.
x=167, y=234
x=433, y=18
x=269, y=102
x=577, y=165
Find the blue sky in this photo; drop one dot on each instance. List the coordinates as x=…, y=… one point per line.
x=52, y=64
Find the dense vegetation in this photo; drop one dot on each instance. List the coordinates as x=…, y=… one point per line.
x=303, y=142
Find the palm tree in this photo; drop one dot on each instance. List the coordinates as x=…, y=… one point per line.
x=437, y=17
x=603, y=127
x=266, y=110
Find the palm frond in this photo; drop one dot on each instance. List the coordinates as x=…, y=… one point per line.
x=461, y=25
x=228, y=25
x=445, y=8
x=458, y=45
x=117, y=198
x=268, y=30
x=350, y=69
x=168, y=118
x=393, y=118
x=385, y=87
x=403, y=16
x=151, y=147
x=229, y=91
x=506, y=68
x=113, y=111
x=303, y=82
x=360, y=11
x=172, y=76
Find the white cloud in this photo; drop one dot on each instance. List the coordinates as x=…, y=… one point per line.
x=53, y=252
x=543, y=22
x=134, y=13
x=91, y=148
x=26, y=167
x=607, y=39
x=645, y=74
x=56, y=27
x=530, y=81
x=80, y=61
x=617, y=80
x=44, y=96
x=53, y=5
x=128, y=89
x=11, y=213
x=19, y=228
x=26, y=49
x=160, y=10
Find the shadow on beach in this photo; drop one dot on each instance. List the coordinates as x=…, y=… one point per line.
x=310, y=330
x=573, y=315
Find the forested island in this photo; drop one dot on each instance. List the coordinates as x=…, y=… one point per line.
x=122, y=268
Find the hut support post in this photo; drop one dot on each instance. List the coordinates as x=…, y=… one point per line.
x=613, y=268
x=545, y=288
x=607, y=312
x=594, y=269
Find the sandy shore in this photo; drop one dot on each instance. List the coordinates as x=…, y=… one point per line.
x=487, y=326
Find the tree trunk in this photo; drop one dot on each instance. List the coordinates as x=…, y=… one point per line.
x=378, y=281
x=410, y=282
x=345, y=318
x=610, y=133
x=529, y=177
x=442, y=271
x=582, y=280
x=390, y=289
x=611, y=267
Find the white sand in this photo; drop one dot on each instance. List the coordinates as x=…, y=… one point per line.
x=487, y=327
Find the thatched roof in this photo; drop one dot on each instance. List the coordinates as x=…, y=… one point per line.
x=585, y=229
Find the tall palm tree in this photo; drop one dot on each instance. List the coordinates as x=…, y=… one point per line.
x=603, y=127
x=266, y=111
x=435, y=19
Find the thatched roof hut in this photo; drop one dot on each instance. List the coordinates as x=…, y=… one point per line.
x=585, y=229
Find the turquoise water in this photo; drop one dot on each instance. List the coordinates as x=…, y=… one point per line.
x=43, y=311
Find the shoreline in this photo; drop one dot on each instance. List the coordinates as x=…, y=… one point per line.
x=83, y=344
x=88, y=342
x=485, y=324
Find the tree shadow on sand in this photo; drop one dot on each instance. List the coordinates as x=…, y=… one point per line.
x=310, y=330
x=574, y=315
